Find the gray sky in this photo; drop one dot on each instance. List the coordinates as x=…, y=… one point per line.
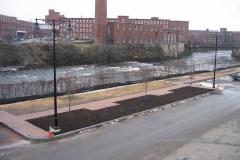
x=201, y=14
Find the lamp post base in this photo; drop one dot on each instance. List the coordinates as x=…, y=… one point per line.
x=56, y=129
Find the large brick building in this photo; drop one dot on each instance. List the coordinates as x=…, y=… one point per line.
x=123, y=30
x=208, y=37
x=83, y=28
x=236, y=38
x=12, y=28
x=120, y=30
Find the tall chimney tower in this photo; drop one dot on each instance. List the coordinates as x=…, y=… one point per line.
x=100, y=29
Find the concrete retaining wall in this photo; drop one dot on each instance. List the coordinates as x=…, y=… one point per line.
x=173, y=50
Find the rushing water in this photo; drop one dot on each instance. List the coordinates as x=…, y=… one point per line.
x=13, y=75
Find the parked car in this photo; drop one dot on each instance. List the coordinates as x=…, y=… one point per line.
x=20, y=39
x=235, y=76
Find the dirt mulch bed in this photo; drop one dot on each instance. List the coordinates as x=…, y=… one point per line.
x=74, y=120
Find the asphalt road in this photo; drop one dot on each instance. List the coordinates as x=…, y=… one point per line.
x=8, y=138
x=149, y=137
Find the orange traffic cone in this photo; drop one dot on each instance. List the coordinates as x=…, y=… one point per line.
x=50, y=132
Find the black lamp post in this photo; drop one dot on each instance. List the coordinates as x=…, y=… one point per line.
x=215, y=61
x=52, y=22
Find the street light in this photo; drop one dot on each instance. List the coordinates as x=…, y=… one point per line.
x=36, y=27
x=215, y=61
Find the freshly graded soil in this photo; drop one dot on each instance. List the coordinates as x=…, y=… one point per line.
x=81, y=118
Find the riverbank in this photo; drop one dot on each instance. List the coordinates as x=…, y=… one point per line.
x=39, y=55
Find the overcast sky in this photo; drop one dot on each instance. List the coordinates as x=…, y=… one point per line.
x=201, y=14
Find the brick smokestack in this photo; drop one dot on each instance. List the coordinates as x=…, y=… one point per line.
x=100, y=21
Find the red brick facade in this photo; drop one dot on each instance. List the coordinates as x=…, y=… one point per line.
x=53, y=15
x=208, y=37
x=83, y=28
x=11, y=28
x=123, y=30
x=100, y=30
x=182, y=27
x=145, y=31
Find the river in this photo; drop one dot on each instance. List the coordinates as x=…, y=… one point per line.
x=12, y=75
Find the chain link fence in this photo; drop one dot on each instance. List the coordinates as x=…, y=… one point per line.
x=101, y=80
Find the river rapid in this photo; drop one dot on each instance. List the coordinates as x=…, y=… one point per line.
x=11, y=75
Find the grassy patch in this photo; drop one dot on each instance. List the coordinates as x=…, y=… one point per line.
x=38, y=105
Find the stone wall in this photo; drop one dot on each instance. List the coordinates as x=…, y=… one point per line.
x=175, y=50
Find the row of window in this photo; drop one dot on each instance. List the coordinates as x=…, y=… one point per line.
x=84, y=25
x=217, y=33
x=141, y=28
x=137, y=21
x=178, y=28
x=130, y=40
x=25, y=24
x=77, y=25
x=214, y=34
x=207, y=37
x=78, y=30
x=7, y=19
x=166, y=26
x=3, y=33
x=13, y=27
x=150, y=41
x=82, y=20
x=7, y=26
x=80, y=35
x=150, y=22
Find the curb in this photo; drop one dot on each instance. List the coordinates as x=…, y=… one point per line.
x=107, y=123
x=26, y=137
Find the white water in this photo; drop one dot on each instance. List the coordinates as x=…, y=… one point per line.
x=12, y=75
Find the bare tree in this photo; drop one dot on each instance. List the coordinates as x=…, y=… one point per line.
x=146, y=75
x=34, y=55
x=70, y=87
x=192, y=70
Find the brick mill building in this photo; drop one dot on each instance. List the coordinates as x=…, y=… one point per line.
x=103, y=30
x=208, y=37
x=123, y=30
x=11, y=28
x=131, y=31
x=120, y=30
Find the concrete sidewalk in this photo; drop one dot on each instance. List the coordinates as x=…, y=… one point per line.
x=29, y=131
